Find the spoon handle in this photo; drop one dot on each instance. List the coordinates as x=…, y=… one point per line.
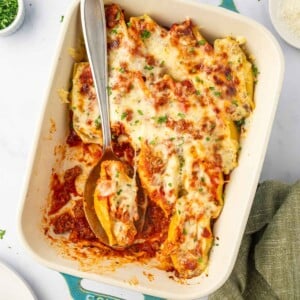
x=94, y=34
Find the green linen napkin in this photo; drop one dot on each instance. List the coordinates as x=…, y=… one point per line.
x=268, y=264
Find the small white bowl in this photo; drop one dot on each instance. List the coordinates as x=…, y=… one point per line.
x=17, y=22
x=283, y=29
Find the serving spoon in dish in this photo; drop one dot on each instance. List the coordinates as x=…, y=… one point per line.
x=94, y=33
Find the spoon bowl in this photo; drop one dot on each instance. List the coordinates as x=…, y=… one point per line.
x=94, y=33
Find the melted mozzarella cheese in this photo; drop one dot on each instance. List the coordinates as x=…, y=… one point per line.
x=177, y=99
x=115, y=201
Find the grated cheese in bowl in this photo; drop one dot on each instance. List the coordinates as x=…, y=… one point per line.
x=290, y=13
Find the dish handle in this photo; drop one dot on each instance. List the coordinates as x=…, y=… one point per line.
x=76, y=290
x=229, y=4
x=79, y=293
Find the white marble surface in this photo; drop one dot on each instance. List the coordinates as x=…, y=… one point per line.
x=25, y=61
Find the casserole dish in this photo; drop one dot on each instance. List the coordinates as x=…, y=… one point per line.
x=239, y=191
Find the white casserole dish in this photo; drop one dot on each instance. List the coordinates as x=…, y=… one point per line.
x=239, y=193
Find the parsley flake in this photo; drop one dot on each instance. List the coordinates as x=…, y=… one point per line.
x=234, y=102
x=145, y=34
x=240, y=123
x=117, y=18
x=109, y=90
x=197, y=78
x=149, y=68
x=217, y=94
x=124, y=115
x=162, y=119
x=2, y=233
x=255, y=71
x=201, y=42
x=228, y=77
x=98, y=122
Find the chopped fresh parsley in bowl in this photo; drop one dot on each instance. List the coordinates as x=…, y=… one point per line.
x=11, y=16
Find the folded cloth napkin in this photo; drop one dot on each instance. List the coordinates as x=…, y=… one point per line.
x=268, y=264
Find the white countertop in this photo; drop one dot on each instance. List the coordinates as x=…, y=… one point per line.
x=25, y=61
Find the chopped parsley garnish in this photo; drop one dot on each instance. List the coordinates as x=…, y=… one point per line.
x=200, y=190
x=169, y=184
x=184, y=231
x=201, y=42
x=228, y=77
x=202, y=179
x=124, y=115
x=240, y=123
x=2, y=233
x=121, y=70
x=200, y=260
x=109, y=90
x=117, y=18
x=145, y=34
x=140, y=112
x=255, y=70
x=128, y=24
x=191, y=50
x=162, y=119
x=149, y=68
x=218, y=94
x=114, y=31
x=181, y=115
x=62, y=18
x=182, y=142
x=207, y=138
x=212, y=88
x=119, y=192
x=98, y=122
x=181, y=162
x=8, y=12
x=197, y=78
x=198, y=93
x=234, y=102
x=162, y=63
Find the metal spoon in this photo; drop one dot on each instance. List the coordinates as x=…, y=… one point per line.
x=94, y=33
